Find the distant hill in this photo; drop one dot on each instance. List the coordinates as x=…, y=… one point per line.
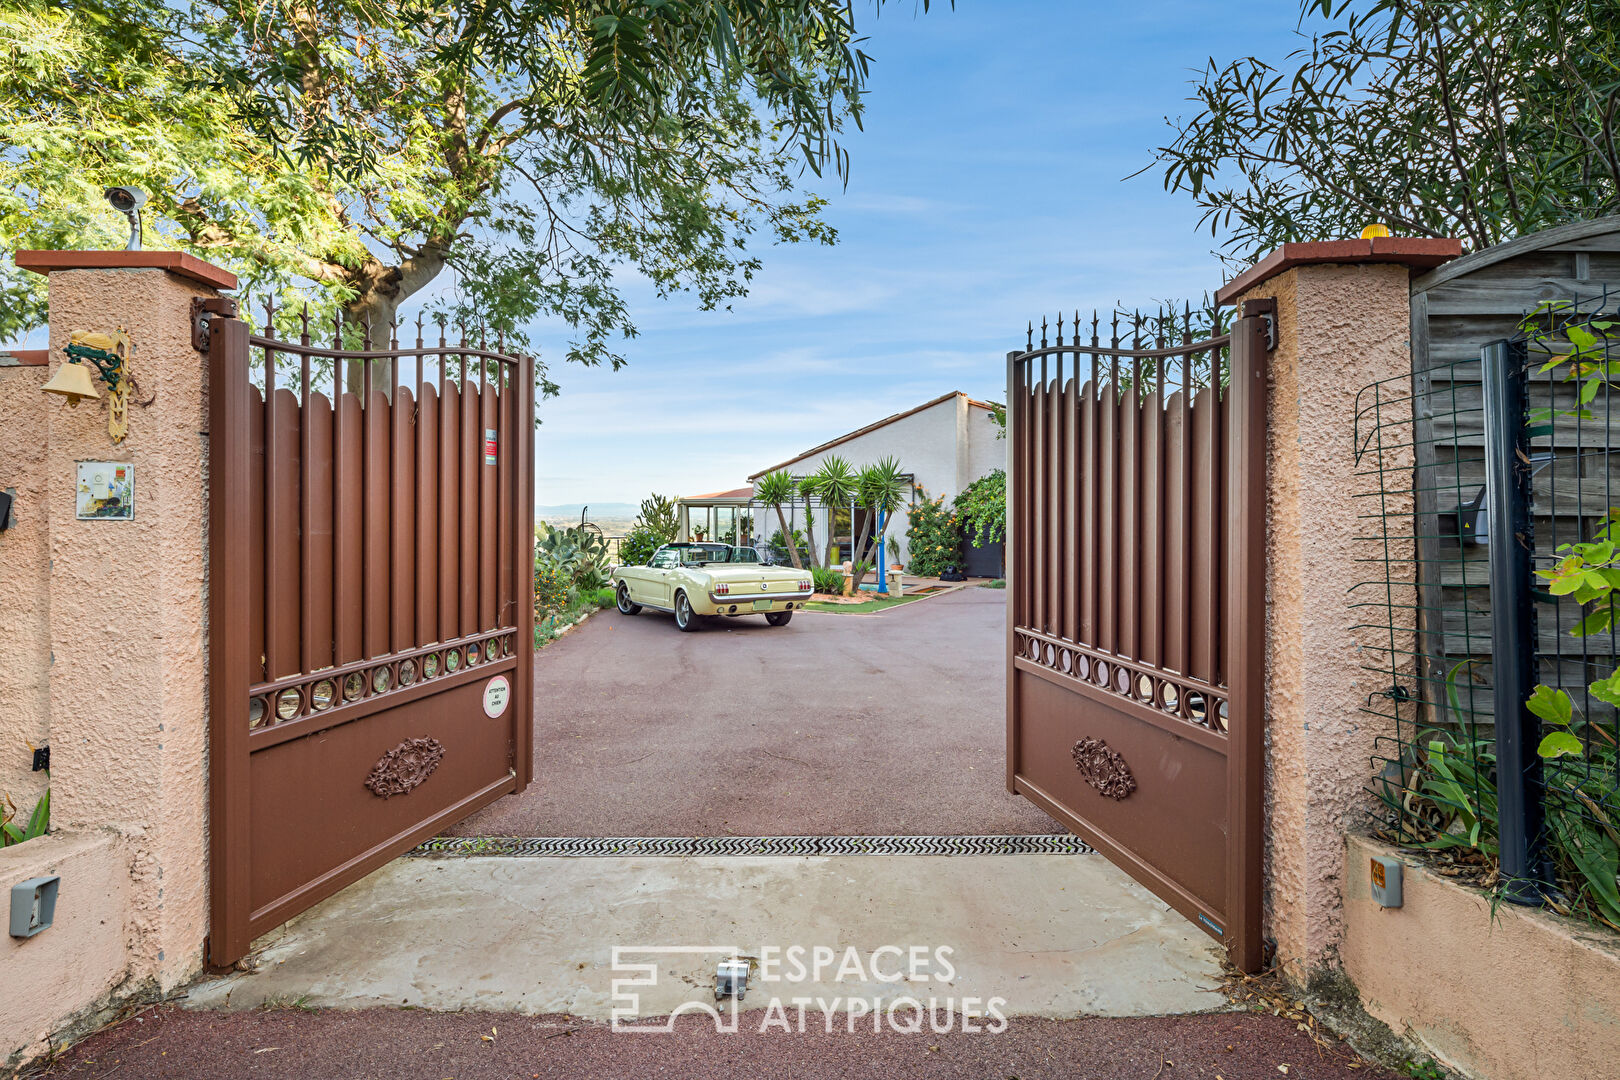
x=571, y=511
x=615, y=518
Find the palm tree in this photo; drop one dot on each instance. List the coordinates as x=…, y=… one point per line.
x=880, y=488
x=775, y=489
x=807, y=488
x=834, y=484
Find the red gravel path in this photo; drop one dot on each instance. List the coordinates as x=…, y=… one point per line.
x=832, y=725
x=381, y=1044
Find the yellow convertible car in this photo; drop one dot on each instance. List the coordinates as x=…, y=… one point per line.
x=693, y=580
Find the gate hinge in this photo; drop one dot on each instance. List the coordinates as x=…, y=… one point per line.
x=203, y=310
x=1264, y=308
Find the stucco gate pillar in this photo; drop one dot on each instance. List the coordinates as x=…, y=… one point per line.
x=117, y=633
x=1342, y=322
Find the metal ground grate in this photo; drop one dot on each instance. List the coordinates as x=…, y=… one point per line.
x=587, y=846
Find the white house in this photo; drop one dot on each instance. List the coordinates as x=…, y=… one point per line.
x=944, y=445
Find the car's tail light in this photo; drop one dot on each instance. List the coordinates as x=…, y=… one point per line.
x=722, y=589
x=806, y=584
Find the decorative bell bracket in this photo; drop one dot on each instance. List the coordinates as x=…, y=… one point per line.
x=203, y=311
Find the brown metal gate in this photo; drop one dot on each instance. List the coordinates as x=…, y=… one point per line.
x=1136, y=609
x=371, y=628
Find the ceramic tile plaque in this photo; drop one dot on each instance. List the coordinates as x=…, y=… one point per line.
x=106, y=491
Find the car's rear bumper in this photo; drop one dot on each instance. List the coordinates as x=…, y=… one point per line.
x=744, y=603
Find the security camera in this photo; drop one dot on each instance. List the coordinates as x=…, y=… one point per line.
x=128, y=201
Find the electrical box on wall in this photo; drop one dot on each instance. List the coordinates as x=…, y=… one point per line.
x=33, y=905
x=1386, y=881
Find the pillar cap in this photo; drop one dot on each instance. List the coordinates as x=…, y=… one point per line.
x=175, y=262
x=1420, y=252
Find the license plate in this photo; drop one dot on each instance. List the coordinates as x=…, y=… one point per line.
x=762, y=605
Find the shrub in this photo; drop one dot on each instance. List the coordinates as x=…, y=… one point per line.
x=827, y=580
x=982, y=507
x=551, y=587
x=779, y=546
x=604, y=597
x=657, y=526
x=638, y=546
x=934, y=537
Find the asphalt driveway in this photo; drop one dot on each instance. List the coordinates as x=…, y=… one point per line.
x=833, y=725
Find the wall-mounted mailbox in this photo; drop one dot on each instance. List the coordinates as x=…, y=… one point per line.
x=33, y=905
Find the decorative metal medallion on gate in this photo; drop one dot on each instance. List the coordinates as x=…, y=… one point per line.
x=405, y=767
x=1103, y=768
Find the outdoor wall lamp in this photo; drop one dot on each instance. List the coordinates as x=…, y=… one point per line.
x=110, y=354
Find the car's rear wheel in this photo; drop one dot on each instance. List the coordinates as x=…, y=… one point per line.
x=626, y=605
x=779, y=618
x=685, y=618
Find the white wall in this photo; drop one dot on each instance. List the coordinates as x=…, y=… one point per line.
x=945, y=447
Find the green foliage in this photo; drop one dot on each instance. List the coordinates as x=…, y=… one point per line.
x=579, y=553
x=881, y=486
x=638, y=546
x=1428, y=1069
x=827, y=580
x=604, y=597
x=657, y=525
x=776, y=489
x=998, y=583
x=934, y=538
x=982, y=506
x=1446, y=799
x=778, y=544
x=541, y=152
x=1482, y=120
x=660, y=514
x=833, y=482
x=37, y=824
x=551, y=587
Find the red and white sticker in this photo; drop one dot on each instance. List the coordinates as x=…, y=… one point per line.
x=497, y=694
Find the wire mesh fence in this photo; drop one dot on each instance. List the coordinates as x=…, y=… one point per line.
x=1488, y=492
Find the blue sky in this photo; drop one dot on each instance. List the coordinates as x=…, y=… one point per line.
x=986, y=189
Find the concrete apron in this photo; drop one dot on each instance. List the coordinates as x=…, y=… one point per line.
x=1051, y=935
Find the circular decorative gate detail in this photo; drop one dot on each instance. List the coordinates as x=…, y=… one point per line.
x=405, y=766
x=1103, y=768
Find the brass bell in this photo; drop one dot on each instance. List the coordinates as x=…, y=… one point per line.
x=73, y=382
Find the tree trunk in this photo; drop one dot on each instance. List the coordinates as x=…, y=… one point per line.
x=381, y=289
x=793, y=549
x=861, y=575
x=859, y=549
x=810, y=535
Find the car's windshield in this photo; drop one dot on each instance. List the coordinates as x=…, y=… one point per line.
x=672, y=555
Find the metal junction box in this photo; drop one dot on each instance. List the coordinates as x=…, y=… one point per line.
x=33, y=905
x=1386, y=881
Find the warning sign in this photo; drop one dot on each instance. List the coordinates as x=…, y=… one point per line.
x=489, y=446
x=497, y=692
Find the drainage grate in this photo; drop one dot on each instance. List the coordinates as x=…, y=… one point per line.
x=586, y=846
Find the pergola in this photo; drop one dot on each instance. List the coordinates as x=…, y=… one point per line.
x=717, y=516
